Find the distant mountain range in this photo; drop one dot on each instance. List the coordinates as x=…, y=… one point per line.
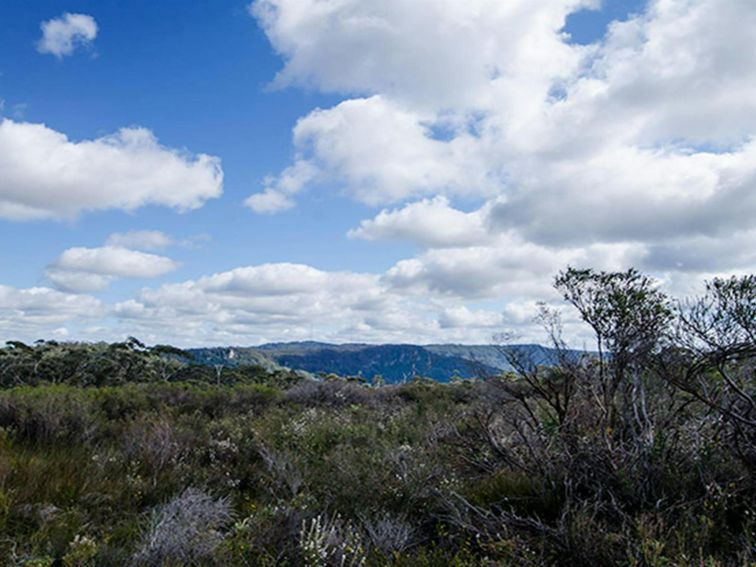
x=395, y=363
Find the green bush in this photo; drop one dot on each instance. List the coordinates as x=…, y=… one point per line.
x=644, y=456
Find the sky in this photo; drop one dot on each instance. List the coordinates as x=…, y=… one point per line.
x=227, y=172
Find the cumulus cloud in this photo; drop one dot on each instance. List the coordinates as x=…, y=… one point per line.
x=431, y=223
x=254, y=304
x=153, y=240
x=44, y=175
x=92, y=269
x=653, y=140
x=644, y=113
x=140, y=240
x=263, y=302
x=479, y=133
x=439, y=52
x=430, y=75
x=62, y=35
x=378, y=152
x=704, y=254
x=284, y=301
x=462, y=317
x=37, y=312
x=78, y=282
x=634, y=194
x=113, y=261
x=277, y=194
x=511, y=268
x=639, y=149
x=269, y=201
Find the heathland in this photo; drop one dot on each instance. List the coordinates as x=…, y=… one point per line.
x=641, y=452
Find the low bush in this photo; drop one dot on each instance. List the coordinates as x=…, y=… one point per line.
x=641, y=455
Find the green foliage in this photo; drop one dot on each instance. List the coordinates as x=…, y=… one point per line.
x=129, y=362
x=124, y=454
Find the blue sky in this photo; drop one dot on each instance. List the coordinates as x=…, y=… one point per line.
x=376, y=228
x=197, y=76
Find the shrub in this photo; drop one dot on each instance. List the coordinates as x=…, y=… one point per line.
x=331, y=542
x=184, y=530
x=333, y=393
x=389, y=534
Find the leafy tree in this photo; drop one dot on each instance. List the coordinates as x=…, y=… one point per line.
x=716, y=355
x=629, y=317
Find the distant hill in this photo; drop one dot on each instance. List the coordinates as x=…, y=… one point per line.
x=395, y=363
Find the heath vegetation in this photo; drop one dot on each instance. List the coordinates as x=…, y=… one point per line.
x=641, y=453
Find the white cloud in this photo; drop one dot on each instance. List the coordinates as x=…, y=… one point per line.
x=431, y=223
x=262, y=301
x=278, y=302
x=479, y=272
x=509, y=267
x=92, y=269
x=635, y=124
x=45, y=175
x=254, y=304
x=628, y=193
x=44, y=304
x=33, y=313
x=78, y=282
x=60, y=36
x=443, y=53
x=654, y=140
x=434, y=73
x=274, y=302
x=639, y=149
x=464, y=318
x=379, y=153
x=154, y=240
x=704, y=254
x=278, y=190
x=140, y=240
x=269, y=201
x=680, y=73
x=293, y=302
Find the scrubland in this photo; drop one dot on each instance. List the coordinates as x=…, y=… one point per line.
x=641, y=454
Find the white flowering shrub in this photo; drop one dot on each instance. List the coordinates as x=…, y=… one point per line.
x=331, y=542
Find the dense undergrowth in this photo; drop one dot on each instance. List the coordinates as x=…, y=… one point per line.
x=642, y=455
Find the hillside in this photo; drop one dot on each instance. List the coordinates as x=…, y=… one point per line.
x=395, y=363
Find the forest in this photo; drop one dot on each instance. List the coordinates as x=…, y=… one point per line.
x=641, y=452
